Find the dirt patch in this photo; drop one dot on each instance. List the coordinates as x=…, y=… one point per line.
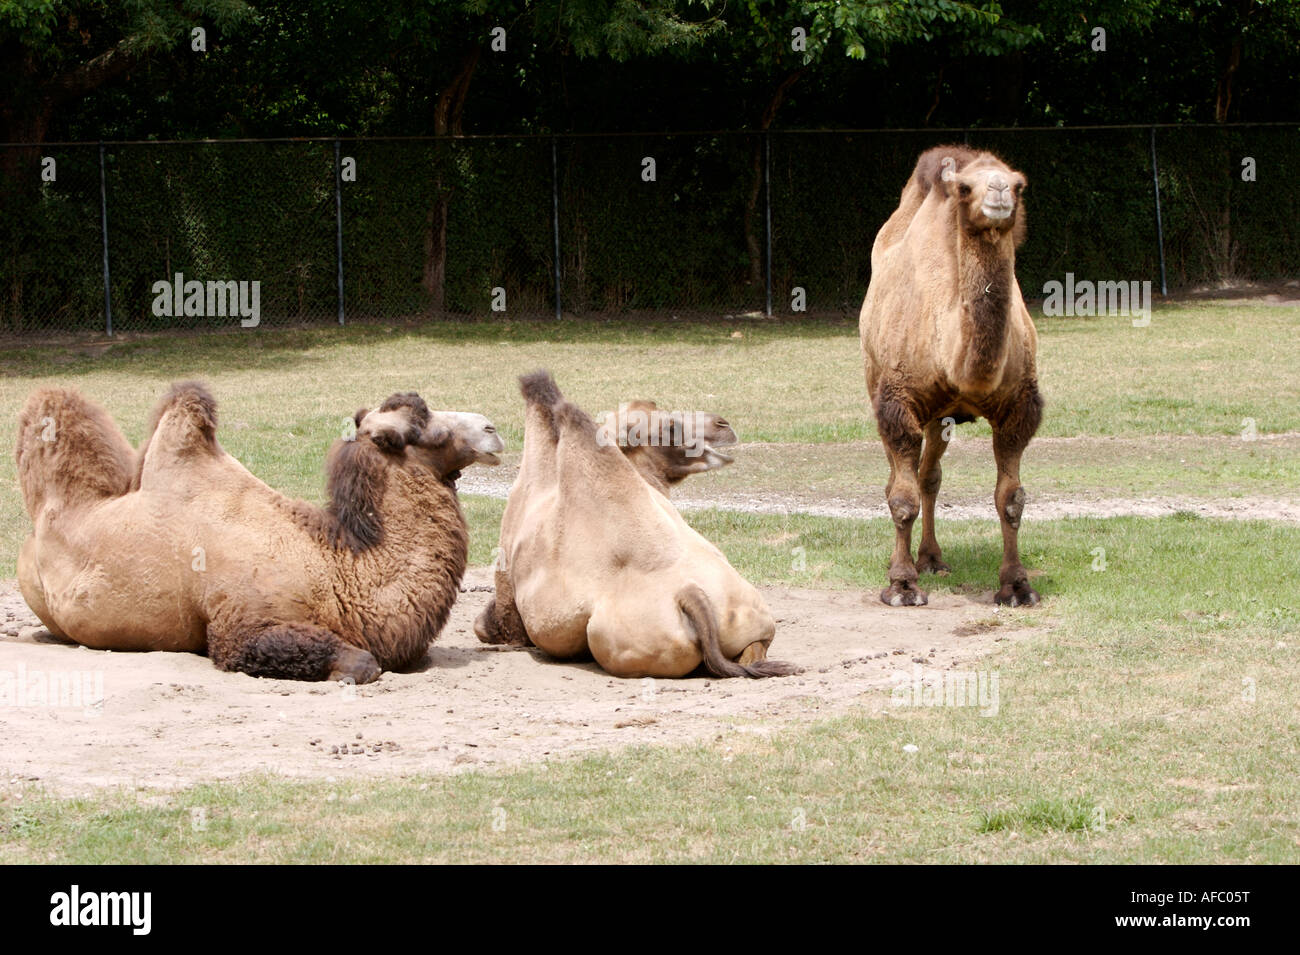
x=170, y=719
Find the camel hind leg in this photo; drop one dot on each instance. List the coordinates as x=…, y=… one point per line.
x=929, y=558
x=901, y=433
x=288, y=650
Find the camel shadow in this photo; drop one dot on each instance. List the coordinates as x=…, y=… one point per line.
x=42, y=636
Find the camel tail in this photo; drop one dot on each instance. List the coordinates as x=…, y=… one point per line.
x=699, y=610
x=69, y=448
x=183, y=423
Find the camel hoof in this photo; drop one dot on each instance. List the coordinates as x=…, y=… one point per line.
x=925, y=564
x=753, y=653
x=1017, y=594
x=355, y=666
x=902, y=593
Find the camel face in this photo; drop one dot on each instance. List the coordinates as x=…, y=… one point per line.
x=667, y=446
x=446, y=441
x=475, y=435
x=989, y=193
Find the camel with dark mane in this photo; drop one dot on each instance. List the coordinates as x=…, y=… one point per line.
x=946, y=335
x=181, y=548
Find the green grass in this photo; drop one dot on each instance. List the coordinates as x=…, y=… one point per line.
x=1125, y=733
x=1067, y=815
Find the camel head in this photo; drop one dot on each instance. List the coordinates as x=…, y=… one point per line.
x=447, y=442
x=987, y=192
x=667, y=446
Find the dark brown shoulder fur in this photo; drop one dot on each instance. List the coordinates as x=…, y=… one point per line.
x=356, y=478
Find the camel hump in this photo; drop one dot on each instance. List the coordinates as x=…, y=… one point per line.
x=70, y=447
x=542, y=394
x=539, y=388
x=190, y=414
x=931, y=165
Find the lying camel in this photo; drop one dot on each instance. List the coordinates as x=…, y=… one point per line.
x=202, y=556
x=946, y=338
x=595, y=559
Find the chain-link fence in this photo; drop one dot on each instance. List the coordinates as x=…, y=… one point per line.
x=138, y=236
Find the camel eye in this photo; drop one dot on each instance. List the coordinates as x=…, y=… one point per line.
x=964, y=189
x=1020, y=187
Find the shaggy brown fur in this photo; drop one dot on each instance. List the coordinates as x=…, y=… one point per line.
x=594, y=560
x=203, y=556
x=945, y=334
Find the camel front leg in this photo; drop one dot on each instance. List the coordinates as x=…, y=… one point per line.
x=929, y=558
x=1010, y=436
x=500, y=623
x=288, y=651
x=901, y=433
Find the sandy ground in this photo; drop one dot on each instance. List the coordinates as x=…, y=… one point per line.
x=171, y=719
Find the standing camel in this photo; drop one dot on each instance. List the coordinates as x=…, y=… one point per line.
x=946, y=335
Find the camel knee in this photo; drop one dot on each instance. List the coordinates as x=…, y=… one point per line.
x=904, y=508
x=1012, y=506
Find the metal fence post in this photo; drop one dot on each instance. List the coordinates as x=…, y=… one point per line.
x=767, y=203
x=555, y=220
x=338, y=223
x=103, y=228
x=1160, y=229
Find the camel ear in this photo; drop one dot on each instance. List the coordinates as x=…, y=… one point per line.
x=948, y=169
x=361, y=413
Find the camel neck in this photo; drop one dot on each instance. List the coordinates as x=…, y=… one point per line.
x=986, y=270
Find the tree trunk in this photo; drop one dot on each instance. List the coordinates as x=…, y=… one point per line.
x=1222, y=250
x=1223, y=98
x=26, y=114
x=447, y=114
